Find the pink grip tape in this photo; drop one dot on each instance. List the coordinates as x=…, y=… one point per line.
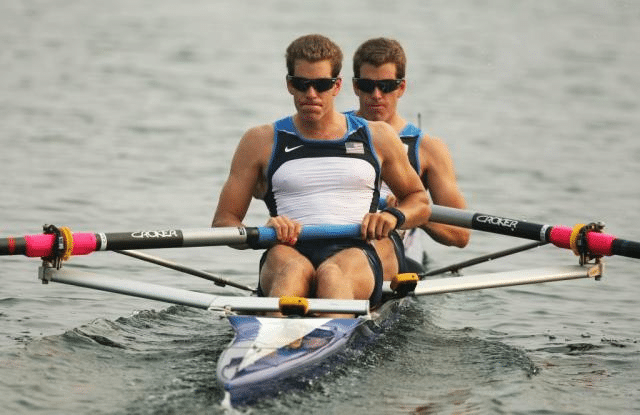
x=41, y=245
x=599, y=243
x=38, y=245
x=84, y=243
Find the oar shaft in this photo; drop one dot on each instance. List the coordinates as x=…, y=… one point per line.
x=41, y=245
x=560, y=236
x=484, y=258
x=489, y=223
x=187, y=270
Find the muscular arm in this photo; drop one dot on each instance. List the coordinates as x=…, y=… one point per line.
x=439, y=178
x=246, y=174
x=247, y=179
x=403, y=181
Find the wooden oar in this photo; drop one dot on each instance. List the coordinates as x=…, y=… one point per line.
x=561, y=236
x=42, y=245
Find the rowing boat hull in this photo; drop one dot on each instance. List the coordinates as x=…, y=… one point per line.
x=269, y=355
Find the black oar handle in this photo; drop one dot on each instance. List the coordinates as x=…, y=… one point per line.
x=560, y=236
x=622, y=247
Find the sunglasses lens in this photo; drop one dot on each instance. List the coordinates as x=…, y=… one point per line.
x=385, y=86
x=299, y=83
x=365, y=85
x=320, y=84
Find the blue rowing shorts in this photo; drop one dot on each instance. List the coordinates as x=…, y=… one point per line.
x=317, y=251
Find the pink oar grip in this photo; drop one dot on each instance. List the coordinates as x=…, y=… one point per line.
x=38, y=245
x=84, y=243
x=41, y=245
x=561, y=236
x=599, y=243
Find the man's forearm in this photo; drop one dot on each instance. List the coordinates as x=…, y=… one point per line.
x=416, y=209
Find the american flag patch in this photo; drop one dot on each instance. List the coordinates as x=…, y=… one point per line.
x=354, y=148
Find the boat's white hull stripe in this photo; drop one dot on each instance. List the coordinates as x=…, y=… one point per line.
x=278, y=332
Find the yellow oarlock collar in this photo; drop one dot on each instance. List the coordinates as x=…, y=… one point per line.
x=291, y=305
x=67, y=237
x=404, y=283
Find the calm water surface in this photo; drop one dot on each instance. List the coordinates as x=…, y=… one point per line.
x=124, y=115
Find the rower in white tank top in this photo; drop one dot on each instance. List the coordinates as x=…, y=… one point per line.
x=323, y=181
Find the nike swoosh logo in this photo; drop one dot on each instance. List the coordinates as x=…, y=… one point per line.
x=287, y=149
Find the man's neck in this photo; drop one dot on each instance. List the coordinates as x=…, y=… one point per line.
x=330, y=127
x=395, y=120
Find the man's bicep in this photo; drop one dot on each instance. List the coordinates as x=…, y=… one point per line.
x=441, y=177
x=233, y=202
x=236, y=194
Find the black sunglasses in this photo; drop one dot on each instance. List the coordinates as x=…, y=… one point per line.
x=319, y=84
x=384, y=85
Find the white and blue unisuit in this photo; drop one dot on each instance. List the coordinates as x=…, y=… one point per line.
x=319, y=182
